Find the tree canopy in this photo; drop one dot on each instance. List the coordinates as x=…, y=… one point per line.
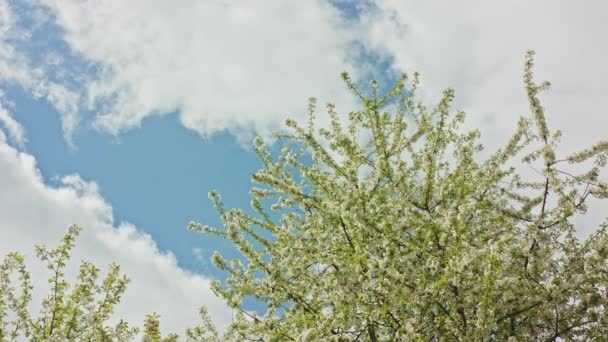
x=386, y=226
x=79, y=311
x=398, y=231
x=80, y=314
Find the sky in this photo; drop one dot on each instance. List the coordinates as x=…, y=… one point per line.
x=121, y=116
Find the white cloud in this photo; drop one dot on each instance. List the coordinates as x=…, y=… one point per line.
x=233, y=65
x=32, y=212
x=477, y=47
x=245, y=66
x=14, y=128
x=17, y=69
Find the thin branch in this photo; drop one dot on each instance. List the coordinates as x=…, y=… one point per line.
x=350, y=241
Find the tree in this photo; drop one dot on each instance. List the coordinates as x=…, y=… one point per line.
x=206, y=332
x=79, y=315
x=407, y=236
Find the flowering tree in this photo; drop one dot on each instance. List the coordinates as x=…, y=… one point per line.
x=407, y=236
x=205, y=332
x=80, y=314
x=395, y=231
x=76, y=315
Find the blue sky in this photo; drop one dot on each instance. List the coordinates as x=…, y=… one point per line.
x=150, y=104
x=156, y=176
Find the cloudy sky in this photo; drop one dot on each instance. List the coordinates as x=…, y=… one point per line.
x=120, y=115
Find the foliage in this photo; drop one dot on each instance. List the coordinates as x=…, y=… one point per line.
x=407, y=236
x=76, y=315
x=80, y=314
x=205, y=332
